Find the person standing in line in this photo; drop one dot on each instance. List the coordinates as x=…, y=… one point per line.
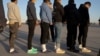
x=83, y=27
x=72, y=19
x=57, y=17
x=52, y=26
x=31, y=21
x=14, y=22
x=46, y=21
x=3, y=20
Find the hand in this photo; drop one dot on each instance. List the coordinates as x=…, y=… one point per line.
x=51, y=23
x=37, y=22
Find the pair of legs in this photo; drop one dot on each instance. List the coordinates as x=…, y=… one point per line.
x=13, y=34
x=58, y=30
x=71, y=36
x=31, y=26
x=44, y=35
x=83, y=31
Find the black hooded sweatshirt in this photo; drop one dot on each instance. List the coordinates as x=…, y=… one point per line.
x=71, y=14
x=84, y=20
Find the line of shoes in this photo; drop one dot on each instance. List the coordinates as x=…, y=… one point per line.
x=57, y=50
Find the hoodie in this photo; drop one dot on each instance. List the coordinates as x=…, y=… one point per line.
x=31, y=11
x=84, y=13
x=13, y=13
x=71, y=14
x=45, y=13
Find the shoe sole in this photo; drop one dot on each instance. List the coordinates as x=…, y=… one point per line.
x=33, y=53
x=60, y=52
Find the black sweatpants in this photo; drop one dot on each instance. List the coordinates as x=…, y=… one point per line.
x=71, y=35
x=83, y=30
x=31, y=27
x=44, y=32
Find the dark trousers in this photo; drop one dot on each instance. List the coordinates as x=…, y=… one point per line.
x=31, y=27
x=83, y=30
x=44, y=32
x=52, y=32
x=71, y=35
x=13, y=33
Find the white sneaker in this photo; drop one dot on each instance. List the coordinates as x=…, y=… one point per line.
x=85, y=50
x=60, y=51
x=44, y=50
x=12, y=50
x=80, y=46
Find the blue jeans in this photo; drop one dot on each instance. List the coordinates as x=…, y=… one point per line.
x=58, y=29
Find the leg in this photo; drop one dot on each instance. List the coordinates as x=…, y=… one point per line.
x=69, y=35
x=13, y=34
x=48, y=35
x=84, y=49
x=44, y=35
x=84, y=36
x=31, y=26
x=58, y=28
x=80, y=34
x=52, y=32
x=74, y=33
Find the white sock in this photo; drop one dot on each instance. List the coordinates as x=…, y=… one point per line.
x=44, y=47
x=80, y=46
x=55, y=46
x=12, y=50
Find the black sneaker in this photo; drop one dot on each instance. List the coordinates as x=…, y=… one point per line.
x=74, y=50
